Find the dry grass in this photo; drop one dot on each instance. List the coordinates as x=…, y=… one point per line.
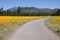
x=10, y=23
x=54, y=24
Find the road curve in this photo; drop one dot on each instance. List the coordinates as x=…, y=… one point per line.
x=34, y=30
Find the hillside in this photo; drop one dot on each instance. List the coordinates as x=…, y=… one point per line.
x=33, y=9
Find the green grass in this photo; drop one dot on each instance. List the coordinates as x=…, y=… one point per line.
x=54, y=26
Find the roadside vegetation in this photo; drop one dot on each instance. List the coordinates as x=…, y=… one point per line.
x=6, y=29
x=11, y=20
x=10, y=23
x=54, y=24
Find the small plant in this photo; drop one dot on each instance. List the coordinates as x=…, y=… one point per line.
x=58, y=31
x=53, y=23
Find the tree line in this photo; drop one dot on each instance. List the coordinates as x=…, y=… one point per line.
x=19, y=13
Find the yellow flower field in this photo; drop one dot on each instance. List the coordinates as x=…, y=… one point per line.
x=4, y=19
x=10, y=23
x=54, y=24
x=55, y=19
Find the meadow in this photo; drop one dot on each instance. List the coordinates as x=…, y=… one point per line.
x=53, y=23
x=10, y=23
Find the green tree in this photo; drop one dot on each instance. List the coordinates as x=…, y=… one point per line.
x=19, y=11
x=1, y=11
x=58, y=12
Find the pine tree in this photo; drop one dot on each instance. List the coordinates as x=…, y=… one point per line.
x=18, y=11
x=58, y=12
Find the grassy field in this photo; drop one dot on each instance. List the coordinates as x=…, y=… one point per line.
x=5, y=19
x=54, y=24
x=10, y=23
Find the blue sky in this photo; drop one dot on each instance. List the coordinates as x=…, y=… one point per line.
x=6, y=4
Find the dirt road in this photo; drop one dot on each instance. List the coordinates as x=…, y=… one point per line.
x=34, y=30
